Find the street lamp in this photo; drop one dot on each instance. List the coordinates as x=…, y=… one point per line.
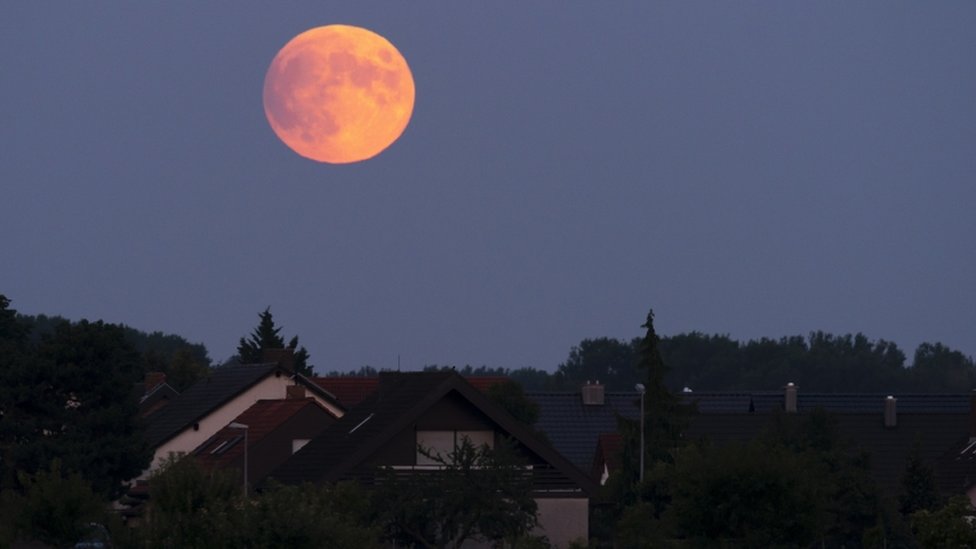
x=236, y=425
x=640, y=389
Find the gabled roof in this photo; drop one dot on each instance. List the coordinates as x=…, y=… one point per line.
x=261, y=418
x=203, y=397
x=221, y=386
x=400, y=399
x=157, y=397
x=351, y=390
x=574, y=428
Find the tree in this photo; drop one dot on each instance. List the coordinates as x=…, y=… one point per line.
x=69, y=397
x=749, y=494
x=474, y=492
x=939, y=368
x=268, y=336
x=191, y=506
x=665, y=416
x=951, y=526
x=510, y=396
x=51, y=506
x=312, y=516
x=919, y=490
x=607, y=360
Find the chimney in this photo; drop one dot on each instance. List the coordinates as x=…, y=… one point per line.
x=295, y=392
x=153, y=380
x=891, y=411
x=594, y=394
x=282, y=357
x=790, y=404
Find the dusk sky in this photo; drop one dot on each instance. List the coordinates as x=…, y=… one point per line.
x=756, y=169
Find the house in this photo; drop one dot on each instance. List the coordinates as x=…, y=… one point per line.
x=431, y=409
x=209, y=405
x=885, y=426
x=275, y=429
x=153, y=394
x=574, y=421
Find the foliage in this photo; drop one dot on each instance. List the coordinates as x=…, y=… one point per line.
x=939, y=368
x=193, y=507
x=919, y=490
x=182, y=362
x=50, y=506
x=268, y=336
x=665, y=417
x=951, y=526
x=752, y=494
x=609, y=361
x=69, y=397
x=850, y=496
x=511, y=397
x=310, y=516
x=477, y=493
x=796, y=484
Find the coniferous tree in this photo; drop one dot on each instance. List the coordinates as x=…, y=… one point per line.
x=268, y=336
x=665, y=417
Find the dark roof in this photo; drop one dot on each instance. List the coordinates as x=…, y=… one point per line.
x=351, y=390
x=838, y=403
x=204, y=396
x=937, y=422
x=573, y=428
x=399, y=400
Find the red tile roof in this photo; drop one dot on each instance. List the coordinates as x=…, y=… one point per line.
x=351, y=390
x=261, y=418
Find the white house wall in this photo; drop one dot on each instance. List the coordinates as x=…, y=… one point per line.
x=271, y=387
x=563, y=520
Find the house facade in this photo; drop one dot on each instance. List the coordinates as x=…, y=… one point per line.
x=212, y=403
x=434, y=410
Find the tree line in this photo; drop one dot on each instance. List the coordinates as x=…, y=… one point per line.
x=820, y=362
x=70, y=438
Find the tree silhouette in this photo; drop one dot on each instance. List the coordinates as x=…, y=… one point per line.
x=268, y=336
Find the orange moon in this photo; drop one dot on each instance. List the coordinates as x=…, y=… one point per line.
x=338, y=94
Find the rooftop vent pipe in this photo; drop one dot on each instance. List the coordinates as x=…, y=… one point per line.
x=891, y=411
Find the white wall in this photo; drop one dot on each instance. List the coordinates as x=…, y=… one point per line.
x=271, y=387
x=563, y=520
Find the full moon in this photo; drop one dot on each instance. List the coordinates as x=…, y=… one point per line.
x=338, y=94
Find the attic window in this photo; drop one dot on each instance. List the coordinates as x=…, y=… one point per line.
x=226, y=445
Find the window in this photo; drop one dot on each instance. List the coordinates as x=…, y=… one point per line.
x=443, y=443
x=298, y=443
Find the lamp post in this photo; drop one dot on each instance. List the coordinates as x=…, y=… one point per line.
x=640, y=389
x=236, y=425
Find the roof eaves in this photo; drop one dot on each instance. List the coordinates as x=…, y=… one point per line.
x=254, y=381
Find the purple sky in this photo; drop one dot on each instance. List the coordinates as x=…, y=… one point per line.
x=747, y=168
